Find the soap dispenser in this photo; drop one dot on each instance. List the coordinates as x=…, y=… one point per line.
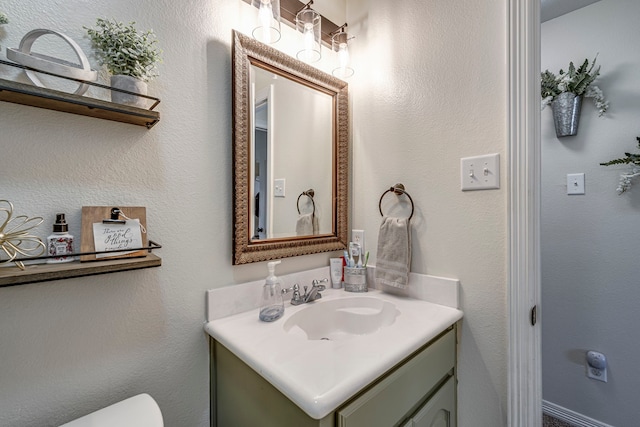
x=60, y=243
x=272, y=304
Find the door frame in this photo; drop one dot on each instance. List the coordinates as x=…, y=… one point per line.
x=523, y=107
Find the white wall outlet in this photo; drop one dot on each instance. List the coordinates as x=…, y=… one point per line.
x=357, y=236
x=480, y=172
x=575, y=183
x=278, y=190
x=596, y=366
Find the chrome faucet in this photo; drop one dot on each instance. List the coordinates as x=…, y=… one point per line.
x=309, y=295
x=314, y=292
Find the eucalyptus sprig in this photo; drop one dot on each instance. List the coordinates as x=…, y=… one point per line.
x=3, y=19
x=626, y=178
x=124, y=50
x=575, y=80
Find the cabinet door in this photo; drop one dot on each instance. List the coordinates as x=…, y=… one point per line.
x=393, y=399
x=242, y=398
x=439, y=411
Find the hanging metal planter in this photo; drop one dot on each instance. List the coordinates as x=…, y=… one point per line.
x=566, y=113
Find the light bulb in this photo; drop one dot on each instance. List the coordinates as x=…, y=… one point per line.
x=309, y=40
x=343, y=70
x=265, y=14
x=308, y=22
x=343, y=56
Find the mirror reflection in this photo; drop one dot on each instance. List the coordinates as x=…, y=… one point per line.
x=292, y=153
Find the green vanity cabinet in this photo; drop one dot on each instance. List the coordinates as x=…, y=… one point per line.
x=438, y=411
x=419, y=392
x=404, y=390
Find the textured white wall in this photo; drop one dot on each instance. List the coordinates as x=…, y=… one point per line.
x=430, y=88
x=589, y=243
x=72, y=346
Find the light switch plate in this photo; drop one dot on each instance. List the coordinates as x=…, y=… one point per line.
x=278, y=190
x=480, y=172
x=575, y=183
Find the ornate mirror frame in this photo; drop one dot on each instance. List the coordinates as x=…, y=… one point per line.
x=246, y=52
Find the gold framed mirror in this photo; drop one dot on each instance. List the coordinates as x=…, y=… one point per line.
x=290, y=155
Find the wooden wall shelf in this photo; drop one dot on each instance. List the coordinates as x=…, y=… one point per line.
x=20, y=93
x=10, y=276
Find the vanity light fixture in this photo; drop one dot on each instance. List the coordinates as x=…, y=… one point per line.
x=267, y=28
x=287, y=14
x=309, y=22
x=340, y=40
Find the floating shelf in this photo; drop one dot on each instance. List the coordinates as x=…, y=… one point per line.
x=10, y=276
x=34, y=96
x=20, y=93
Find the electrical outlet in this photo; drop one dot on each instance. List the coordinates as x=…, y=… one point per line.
x=596, y=366
x=357, y=236
x=278, y=190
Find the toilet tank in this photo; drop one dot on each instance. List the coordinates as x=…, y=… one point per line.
x=136, y=411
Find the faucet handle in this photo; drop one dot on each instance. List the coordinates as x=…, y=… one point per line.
x=316, y=283
x=295, y=298
x=295, y=288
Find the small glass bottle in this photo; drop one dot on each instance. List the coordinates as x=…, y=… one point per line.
x=272, y=303
x=60, y=243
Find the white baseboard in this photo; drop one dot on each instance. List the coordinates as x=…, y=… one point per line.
x=568, y=416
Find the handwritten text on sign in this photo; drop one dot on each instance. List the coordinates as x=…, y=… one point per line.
x=120, y=238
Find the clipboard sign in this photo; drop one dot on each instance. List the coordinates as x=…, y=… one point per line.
x=117, y=237
x=102, y=230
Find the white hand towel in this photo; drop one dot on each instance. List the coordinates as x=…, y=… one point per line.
x=307, y=225
x=393, y=260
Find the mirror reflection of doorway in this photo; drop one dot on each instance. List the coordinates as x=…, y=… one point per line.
x=261, y=164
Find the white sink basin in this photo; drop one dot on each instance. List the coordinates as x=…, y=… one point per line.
x=367, y=335
x=341, y=319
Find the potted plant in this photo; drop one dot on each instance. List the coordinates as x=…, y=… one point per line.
x=634, y=171
x=564, y=93
x=129, y=55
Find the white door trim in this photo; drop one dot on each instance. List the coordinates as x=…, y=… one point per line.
x=525, y=385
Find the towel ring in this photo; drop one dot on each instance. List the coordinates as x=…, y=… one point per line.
x=309, y=193
x=399, y=190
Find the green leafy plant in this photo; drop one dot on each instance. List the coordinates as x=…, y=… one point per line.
x=3, y=19
x=625, y=178
x=124, y=50
x=575, y=80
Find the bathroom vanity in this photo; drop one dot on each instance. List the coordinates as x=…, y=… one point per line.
x=420, y=391
x=369, y=359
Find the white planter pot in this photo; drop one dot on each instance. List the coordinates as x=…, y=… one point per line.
x=130, y=84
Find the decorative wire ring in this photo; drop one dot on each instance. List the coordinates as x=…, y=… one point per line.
x=15, y=236
x=398, y=189
x=309, y=193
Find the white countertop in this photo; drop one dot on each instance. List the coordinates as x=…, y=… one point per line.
x=320, y=375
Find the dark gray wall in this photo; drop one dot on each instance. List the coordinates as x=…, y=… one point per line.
x=590, y=243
